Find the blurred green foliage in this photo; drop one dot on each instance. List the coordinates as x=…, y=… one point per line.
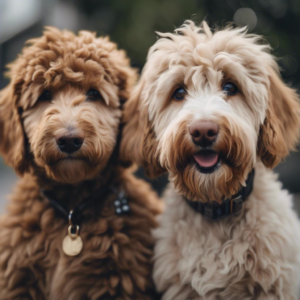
x=132, y=23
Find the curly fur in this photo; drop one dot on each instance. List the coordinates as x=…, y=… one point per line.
x=115, y=262
x=250, y=256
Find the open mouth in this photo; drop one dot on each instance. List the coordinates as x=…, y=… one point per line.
x=207, y=160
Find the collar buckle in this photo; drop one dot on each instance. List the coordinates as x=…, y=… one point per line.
x=236, y=204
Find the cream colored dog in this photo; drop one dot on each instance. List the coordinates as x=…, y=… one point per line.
x=211, y=110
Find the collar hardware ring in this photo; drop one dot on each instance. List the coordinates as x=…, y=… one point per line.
x=73, y=235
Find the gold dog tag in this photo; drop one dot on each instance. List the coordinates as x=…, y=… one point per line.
x=72, y=243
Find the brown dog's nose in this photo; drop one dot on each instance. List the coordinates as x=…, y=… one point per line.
x=69, y=144
x=204, y=133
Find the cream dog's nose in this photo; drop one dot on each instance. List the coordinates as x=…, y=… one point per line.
x=204, y=133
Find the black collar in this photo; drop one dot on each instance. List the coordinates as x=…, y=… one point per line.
x=216, y=211
x=97, y=200
x=75, y=214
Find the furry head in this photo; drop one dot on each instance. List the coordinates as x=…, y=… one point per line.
x=207, y=107
x=61, y=111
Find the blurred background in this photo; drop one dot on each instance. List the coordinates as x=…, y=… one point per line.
x=132, y=23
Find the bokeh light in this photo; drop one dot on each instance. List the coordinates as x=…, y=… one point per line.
x=245, y=17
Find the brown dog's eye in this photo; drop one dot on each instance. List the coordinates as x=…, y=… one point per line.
x=93, y=95
x=179, y=94
x=45, y=96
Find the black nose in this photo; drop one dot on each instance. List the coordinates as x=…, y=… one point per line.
x=69, y=144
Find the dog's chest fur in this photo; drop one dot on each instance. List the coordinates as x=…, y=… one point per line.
x=251, y=256
x=114, y=263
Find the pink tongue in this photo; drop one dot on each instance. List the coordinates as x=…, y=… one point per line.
x=206, y=159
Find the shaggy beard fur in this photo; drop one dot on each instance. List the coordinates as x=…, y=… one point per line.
x=254, y=255
x=115, y=262
x=184, y=173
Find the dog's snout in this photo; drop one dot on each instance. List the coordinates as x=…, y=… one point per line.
x=204, y=133
x=70, y=144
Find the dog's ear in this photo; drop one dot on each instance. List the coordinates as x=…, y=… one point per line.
x=12, y=138
x=139, y=144
x=280, y=132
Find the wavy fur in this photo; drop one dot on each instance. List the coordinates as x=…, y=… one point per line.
x=115, y=262
x=251, y=256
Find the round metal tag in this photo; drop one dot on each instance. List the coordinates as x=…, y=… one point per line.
x=72, y=243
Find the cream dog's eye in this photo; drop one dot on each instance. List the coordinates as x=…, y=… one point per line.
x=45, y=96
x=93, y=95
x=230, y=88
x=179, y=94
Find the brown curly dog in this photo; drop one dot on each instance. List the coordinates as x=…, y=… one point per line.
x=59, y=127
